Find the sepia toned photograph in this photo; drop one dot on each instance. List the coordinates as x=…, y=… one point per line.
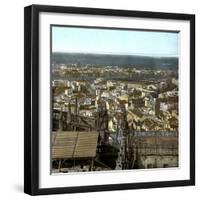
x=114, y=99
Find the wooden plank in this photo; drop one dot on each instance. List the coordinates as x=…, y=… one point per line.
x=71, y=144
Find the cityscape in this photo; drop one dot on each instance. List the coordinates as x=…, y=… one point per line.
x=113, y=117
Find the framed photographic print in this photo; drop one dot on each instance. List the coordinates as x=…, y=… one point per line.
x=109, y=99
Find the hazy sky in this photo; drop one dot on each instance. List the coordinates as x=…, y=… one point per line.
x=89, y=40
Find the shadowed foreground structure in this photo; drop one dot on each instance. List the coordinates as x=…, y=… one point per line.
x=73, y=146
x=79, y=151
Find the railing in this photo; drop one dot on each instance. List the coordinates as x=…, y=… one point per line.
x=158, y=149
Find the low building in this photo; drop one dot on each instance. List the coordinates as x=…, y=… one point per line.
x=155, y=152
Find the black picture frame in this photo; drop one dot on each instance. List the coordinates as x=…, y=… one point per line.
x=31, y=98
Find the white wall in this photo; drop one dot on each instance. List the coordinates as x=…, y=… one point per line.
x=11, y=100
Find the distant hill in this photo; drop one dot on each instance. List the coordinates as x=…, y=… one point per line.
x=167, y=63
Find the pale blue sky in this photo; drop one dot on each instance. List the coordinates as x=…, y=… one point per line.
x=109, y=41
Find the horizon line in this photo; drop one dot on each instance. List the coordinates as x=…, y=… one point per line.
x=124, y=54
